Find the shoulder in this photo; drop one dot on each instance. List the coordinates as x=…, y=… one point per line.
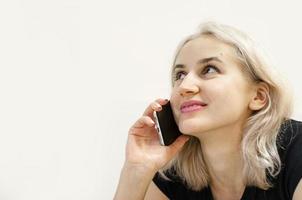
x=289, y=139
x=290, y=150
x=168, y=183
x=289, y=130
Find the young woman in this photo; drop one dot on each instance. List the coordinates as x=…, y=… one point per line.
x=234, y=112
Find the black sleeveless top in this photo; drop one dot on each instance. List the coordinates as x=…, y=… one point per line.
x=284, y=184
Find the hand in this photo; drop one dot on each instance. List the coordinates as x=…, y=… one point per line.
x=143, y=147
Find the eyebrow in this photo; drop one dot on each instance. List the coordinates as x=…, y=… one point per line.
x=201, y=61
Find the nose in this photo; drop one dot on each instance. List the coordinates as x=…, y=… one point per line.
x=188, y=86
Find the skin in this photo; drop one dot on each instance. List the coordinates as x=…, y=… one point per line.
x=298, y=191
x=230, y=97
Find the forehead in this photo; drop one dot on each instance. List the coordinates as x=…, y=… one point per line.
x=203, y=47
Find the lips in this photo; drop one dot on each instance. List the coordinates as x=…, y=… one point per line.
x=192, y=105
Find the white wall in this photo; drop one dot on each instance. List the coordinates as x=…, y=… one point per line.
x=74, y=76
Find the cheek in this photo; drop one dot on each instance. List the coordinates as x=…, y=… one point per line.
x=174, y=97
x=228, y=96
x=174, y=101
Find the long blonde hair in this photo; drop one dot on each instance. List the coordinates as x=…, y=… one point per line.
x=259, y=143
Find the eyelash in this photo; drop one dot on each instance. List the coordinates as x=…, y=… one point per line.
x=177, y=74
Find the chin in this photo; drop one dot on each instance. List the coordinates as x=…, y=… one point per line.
x=195, y=126
x=190, y=126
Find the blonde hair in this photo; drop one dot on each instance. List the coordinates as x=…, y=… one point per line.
x=260, y=134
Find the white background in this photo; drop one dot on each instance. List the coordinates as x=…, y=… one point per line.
x=74, y=76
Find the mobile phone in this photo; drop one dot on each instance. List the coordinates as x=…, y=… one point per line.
x=166, y=126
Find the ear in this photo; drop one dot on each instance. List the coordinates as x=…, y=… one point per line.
x=259, y=96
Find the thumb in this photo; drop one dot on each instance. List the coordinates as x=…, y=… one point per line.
x=176, y=146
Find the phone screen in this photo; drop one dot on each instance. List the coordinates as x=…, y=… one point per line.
x=166, y=126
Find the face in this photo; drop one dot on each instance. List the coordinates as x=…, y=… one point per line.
x=206, y=70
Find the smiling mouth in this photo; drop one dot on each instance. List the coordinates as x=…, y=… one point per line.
x=192, y=108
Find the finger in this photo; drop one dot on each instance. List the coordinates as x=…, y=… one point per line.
x=143, y=121
x=155, y=106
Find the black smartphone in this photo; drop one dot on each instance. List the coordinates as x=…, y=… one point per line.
x=165, y=125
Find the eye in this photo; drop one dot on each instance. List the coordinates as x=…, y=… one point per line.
x=208, y=68
x=179, y=75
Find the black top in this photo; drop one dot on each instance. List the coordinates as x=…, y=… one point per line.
x=290, y=151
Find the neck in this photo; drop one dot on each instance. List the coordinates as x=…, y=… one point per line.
x=222, y=154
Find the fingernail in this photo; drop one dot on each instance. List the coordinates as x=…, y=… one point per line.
x=158, y=106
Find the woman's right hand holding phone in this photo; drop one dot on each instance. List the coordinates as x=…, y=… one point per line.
x=144, y=155
x=143, y=147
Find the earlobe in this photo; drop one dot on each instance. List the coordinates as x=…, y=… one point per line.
x=260, y=97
